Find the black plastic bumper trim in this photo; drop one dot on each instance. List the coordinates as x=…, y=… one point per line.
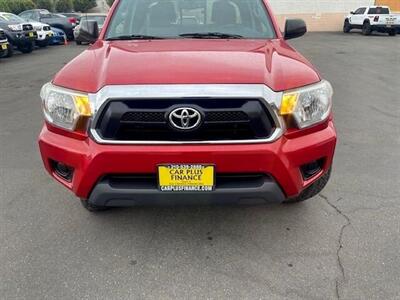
x=125, y=194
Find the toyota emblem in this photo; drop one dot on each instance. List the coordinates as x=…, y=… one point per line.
x=185, y=118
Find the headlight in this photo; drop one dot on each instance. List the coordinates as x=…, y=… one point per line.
x=15, y=27
x=65, y=108
x=309, y=105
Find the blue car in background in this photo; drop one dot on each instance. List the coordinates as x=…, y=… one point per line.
x=59, y=37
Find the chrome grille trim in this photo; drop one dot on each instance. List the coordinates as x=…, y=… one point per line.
x=259, y=91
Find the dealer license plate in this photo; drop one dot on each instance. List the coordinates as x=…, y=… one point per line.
x=31, y=34
x=4, y=46
x=186, y=178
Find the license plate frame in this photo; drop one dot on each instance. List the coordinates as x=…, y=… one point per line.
x=186, y=177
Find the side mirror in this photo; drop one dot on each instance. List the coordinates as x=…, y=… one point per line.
x=89, y=31
x=352, y=12
x=294, y=28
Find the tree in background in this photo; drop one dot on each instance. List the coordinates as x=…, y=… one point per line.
x=110, y=2
x=18, y=6
x=4, y=6
x=83, y=5
x=64, y=5
x=45, y=4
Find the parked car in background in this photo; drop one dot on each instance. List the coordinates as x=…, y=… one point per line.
x=99, y=18
x=372, y=18
x=44, y=33
x=58, y=38
x=20, y=34
x=54, y=20
x=5, y=48
x=73, y=17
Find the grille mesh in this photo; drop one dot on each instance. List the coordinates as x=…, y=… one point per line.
x=2, y=36
x=226, y=116
x=214, y=116
x=27, y=27
x=143, y=116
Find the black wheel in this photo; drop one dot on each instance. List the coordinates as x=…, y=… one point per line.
x=91, y=207
x=346, y=26
x=392, y=32
x=313, y=189
x=366, y=29
x=10, y=50
x=28, y=48
x=78, y=42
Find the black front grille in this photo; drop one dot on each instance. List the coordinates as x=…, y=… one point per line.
x=226, y=116
x=27, y=27
x=143, y=116
x=148, y=120
x=159, y=117
x=2, y=35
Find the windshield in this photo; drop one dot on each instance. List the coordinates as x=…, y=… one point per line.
x=191, y=19
x=99, y=19
x=11, y=18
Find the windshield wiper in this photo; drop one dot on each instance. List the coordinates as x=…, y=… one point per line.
x=215, y=35
x=134, y=37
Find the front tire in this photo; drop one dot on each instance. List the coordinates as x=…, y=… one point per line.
x=346, y=26
x=28, y=48
x=367, y=29
x=78, y=42
x=92, y=208
x=392, y=32
x=313, y=189
x=10, y=50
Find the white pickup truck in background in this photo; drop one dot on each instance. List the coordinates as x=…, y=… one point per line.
x=372, y=18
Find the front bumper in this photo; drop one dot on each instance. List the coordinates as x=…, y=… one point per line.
x=21, y=38
x=119, y=193
x=44, y=36
x=57, y=39
x=3, y=47
x=280, y=161
x=385, y=28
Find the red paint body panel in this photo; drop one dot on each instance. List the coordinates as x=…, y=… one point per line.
x=281, y=159
x=273, y=63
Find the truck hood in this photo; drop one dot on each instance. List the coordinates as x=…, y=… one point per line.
x=38, y=25
x=273, y=63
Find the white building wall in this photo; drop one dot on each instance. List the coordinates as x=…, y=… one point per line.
x=317, y=6
x=320, y=15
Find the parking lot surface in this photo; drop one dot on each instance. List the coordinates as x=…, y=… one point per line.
x=343, y=243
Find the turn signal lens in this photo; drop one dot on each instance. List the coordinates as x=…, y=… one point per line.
x=65, y=108
x=289, y=102
x=308, y=105
x=82, y=105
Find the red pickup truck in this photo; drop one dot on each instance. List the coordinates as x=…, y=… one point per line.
x=189, y=101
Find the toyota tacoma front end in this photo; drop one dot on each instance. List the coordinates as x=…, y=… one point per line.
x=180, y=102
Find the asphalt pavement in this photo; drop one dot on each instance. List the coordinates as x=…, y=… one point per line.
x=343, y=243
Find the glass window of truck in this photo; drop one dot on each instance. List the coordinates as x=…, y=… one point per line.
x=177, y=18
